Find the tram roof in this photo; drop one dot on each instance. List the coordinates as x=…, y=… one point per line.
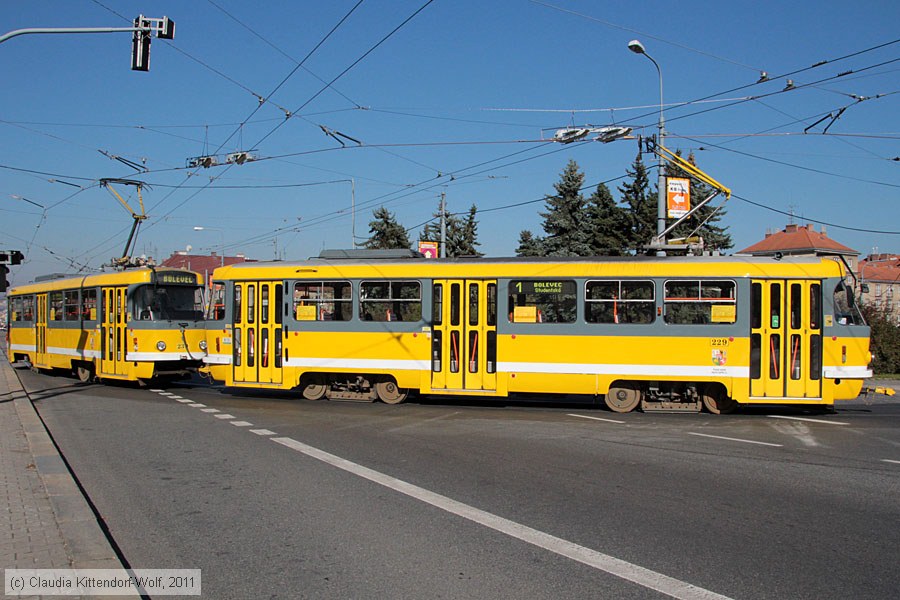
x=359, y=265
x=125, y=277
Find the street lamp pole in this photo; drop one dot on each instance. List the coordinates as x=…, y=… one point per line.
x=221, y=236
x=638, y=48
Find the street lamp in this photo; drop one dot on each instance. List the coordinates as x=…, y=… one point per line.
x=221, y=234
x=638, y=48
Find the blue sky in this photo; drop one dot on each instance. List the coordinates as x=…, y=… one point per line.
x=457, y=100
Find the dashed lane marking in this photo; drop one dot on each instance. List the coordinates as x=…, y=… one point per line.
x=731, y=439
x=196, y=405
x=887, y=460
x=224, y=416
x=596, y=418
x=186, y=401
x=241, y=423
x=808, y=420
x=209, y=410
x=262, y=432
x=603, y=562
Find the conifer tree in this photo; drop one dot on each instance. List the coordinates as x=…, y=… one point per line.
x=529, y=245
x=386, y=232
x=640, y=206
x=566, y=219
x=609, y=229
x=462, y=235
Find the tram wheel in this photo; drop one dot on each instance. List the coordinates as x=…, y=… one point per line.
x=85, y=374
x=623, y=398
x=716, y=402
x=389, y=393
x=315, y=388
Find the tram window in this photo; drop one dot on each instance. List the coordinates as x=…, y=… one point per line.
x=390, y=301
x=322, y=300
x=756, y=306
x=167, y=302
x=216, y=310
x=846, y=312
x=89, y=304
x=251, y=314
x=70, y=305
x=700, y=302
x=437, y=304
x=27, y=308
x=473, y=304
x=815, y=356
x=796, y=357
x=619, y=302
x=815, y=306
x=775, y=305
x=238, y=304
x=542, y=301
x=454, y=304
x=491, y=305
x=796, y=306
x=15, y=309
x=56, y=306
x=279, y=298
x=264, y=303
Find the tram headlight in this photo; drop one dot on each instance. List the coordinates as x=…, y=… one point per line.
x=203, y=345
x=161, y=346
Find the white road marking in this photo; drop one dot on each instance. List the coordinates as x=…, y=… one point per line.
x=262, y=432
x=808, y=420
x=603, y=562
x=595, y=418
x=161, y=393
x=209, y=410
x=196, y=405
x=173, y=397
x=157, y=391
x=887, y=460
x=186, y=401
x=731, y=439
x=241, y=423
x=224, y=416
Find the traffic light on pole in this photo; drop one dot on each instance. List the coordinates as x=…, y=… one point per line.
x=140, y=45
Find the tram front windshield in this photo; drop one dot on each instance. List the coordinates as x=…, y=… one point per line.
x=168, y=303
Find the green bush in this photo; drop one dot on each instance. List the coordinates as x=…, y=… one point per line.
x=885, y=340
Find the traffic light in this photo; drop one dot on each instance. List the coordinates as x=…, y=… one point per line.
x=140, y=45
x=15, y=257
x=3, y=283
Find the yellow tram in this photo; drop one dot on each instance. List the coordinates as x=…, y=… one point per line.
x=671, y=333
x=128, y=325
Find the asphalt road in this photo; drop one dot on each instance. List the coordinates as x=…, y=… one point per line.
x=436, y=499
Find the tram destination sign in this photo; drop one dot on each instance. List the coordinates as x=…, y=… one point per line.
x=544, y=286
x=177, y=278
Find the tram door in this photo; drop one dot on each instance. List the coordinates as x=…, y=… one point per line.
x=257, y=332
x=114, y=331
x=786, y=339
x=464, y=334
x=40, y=331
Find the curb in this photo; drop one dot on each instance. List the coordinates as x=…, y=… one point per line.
x=85, y=541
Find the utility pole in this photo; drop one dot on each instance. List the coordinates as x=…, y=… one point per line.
x=443, y=225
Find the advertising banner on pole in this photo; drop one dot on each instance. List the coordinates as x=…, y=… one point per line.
x=678, y=196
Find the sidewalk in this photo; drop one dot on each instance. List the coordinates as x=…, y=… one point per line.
x=46, y=522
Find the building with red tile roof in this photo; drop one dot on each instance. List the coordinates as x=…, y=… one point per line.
x=801, y=240
x=879, y=278
x=204, y=264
